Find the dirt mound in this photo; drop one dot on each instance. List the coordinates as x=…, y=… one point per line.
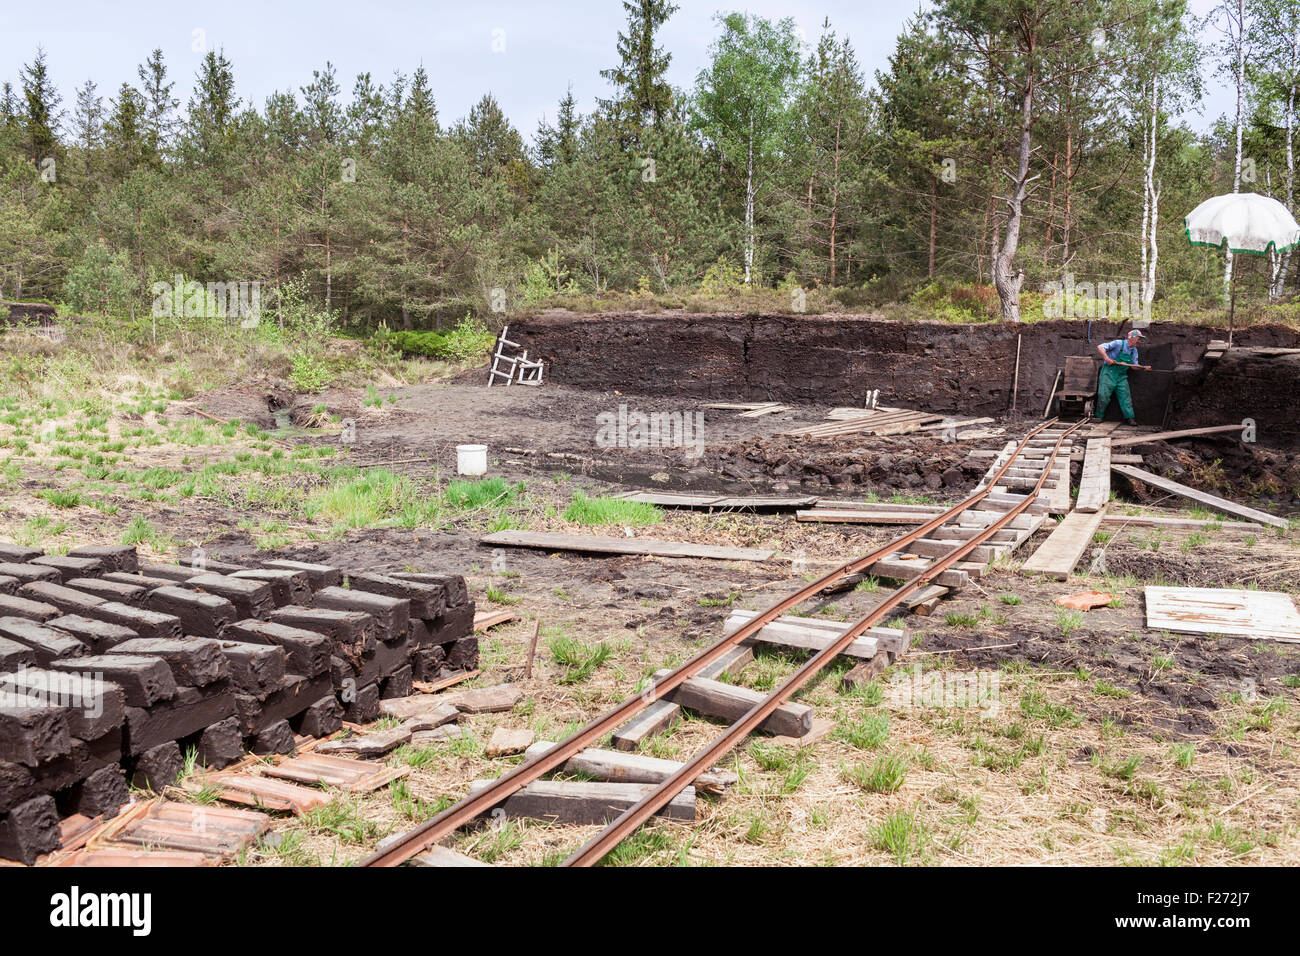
x=823, y=359
x=919, y=465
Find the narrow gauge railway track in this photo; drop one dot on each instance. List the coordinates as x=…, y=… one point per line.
x=469, y=809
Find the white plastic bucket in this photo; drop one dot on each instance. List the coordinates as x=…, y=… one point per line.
x=471, y=459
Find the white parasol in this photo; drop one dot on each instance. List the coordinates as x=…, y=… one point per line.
x=1242, y=222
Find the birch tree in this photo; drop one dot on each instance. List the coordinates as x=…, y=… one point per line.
x=1278, y=62
x=741, y=100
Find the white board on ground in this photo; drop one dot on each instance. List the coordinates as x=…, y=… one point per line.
x=1258, y=614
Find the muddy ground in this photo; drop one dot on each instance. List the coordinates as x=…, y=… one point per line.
x=1098, y=713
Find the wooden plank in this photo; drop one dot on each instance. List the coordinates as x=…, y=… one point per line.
x=670, y=500
x=357, y=776
x=774, y=408
x=218, y=832
x=901, y=567
x=886, y=506
x=1094, y=485
x=1057, y=556
x=583, y=802
x=1181, y=433
x=600, y=545
x=1155, y=521
x=440, y=856
x=485, y=619
x=1267, y=615
x=618, y=766
x=1209, y=500
x=857, y=516
x=731, y=702
x=806, y=635
x=661, y=714
x=265, y=793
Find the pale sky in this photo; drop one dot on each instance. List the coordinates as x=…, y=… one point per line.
x=540, y=48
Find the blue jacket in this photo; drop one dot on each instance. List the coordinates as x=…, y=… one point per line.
x=1119, y=351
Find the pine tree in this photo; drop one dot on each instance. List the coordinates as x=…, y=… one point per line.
x=160, y=105
x=642, y=98
x=212, y=104
x=42, y=117
x=558, y=145
x=321, y=106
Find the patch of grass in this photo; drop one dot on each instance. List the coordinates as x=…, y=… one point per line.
x=345, y=818
x=645, y=845
x=865, y=734
x=1069, y=621
x=1035, y=704
x=376, y=498
x=885, y=775
x=611, y=511
x=579, y=660
x=467, y=495
x=138, y=531
x=498, y=840
x=1011, y=599
x=61, y=498
x=498, y=596
x=901, y=835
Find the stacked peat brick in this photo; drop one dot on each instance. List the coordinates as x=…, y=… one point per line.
x=111, y=669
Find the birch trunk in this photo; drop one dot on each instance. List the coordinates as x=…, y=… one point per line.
x=749, y=207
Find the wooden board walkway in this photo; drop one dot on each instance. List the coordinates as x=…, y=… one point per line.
x=1188, y=524
x=1057, y=556
x=1202, y=497
x=1094, y=485
x=1183, y=433
x=668, y=499
x=554, y=541
x=1257, y=614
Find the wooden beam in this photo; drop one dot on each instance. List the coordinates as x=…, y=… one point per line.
x=661, y=714
x=731, y=702
x=1057, y=556
x=1192, y=524
x=551, y=541
x=1209, y=500
x=583, y=802
x=1182, y=433
x=1094, y=485
x=809, y=634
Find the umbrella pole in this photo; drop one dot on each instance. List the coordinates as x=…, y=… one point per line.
x=1232, y=305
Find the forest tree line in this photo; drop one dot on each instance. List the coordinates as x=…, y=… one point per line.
x=1004, y=145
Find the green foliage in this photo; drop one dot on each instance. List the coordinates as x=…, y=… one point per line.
x=611, y=511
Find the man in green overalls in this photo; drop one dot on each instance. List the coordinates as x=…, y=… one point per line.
x=1120, y=355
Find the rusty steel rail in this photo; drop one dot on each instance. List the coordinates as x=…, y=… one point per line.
x=473, y=806
x=626, y=823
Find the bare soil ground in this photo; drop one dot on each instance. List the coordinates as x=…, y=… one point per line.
x=1104, y=742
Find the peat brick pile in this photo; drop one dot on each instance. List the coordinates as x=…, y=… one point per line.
x=110, y=669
